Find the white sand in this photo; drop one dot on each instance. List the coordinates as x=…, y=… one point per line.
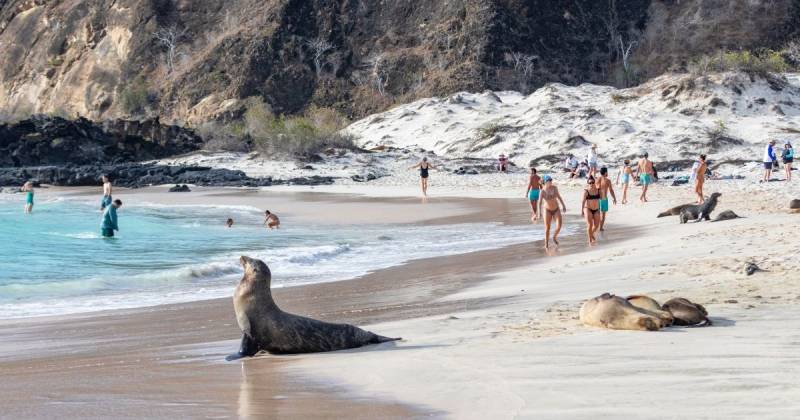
x=529, y=357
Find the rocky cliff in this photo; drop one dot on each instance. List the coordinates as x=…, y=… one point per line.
x=195, y=60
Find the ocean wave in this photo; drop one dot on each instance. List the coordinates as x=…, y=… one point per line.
x=319, y=255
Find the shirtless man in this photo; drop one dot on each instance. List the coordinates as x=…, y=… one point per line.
x=549, y=199
x=106, y=201
x=604, y=184
x=700, y=178
x=271, y=220
x=534, y=185
x=645, y=171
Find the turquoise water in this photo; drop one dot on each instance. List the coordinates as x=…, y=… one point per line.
x=54, y=261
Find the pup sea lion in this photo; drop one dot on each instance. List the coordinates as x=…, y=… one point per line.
x=726, y=215
x=687, y=313
x=651, y=306
x=702, y=211
x=614, y=312
x=267, y=327
x=675, y=211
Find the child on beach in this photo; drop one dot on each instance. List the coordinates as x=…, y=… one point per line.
x=27, y=188
x=645, y=170
x=626, y=173
x=604, y=184
x=423, y=166
x=229, y=222
x=549, y=199
x=109, y=224
x=534, y=185
x=591, y=209
x=271, y=220
x=700, y=178
x=106, y=201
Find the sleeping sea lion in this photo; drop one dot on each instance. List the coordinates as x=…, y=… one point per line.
x=614, y=312
x=651, y=306
x=266, y=327
x=687, y=313
x=726, y=215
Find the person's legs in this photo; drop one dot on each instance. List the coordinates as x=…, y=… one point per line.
x=587, y=215
x=596, y=224
x=788, y=168
x=424, y=183
x=558, y=227
x=603, y=211
x=548, y=218
x=534, y=203
x=625, y=193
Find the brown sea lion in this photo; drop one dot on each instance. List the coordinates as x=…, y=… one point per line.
x=614, y=312
x=687, y=313
x=651, y=306
x=266, y=327
x=675, y=211
x=726, y=215
x=701, y=211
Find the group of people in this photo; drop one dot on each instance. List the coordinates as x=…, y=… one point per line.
x=770, y=160
x=585, y=168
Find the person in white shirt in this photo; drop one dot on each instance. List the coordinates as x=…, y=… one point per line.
x=769, y=158
x=591, y=159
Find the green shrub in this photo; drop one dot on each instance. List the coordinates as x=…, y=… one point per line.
x=759, y=63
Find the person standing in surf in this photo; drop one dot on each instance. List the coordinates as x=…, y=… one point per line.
x=604, y=184
x=534, y=185
x=271, y=220
x=424, y=167
x=109, y=224
x=700, y=178
x=550, y=198
x=106, y=201
x=27, y=188
x=645, y=171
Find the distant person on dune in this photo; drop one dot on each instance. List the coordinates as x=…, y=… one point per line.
x=424, y=167
x=229, y=223
x=109, y=224
x=769, y=158
x=271, y=220
x=645, y=170
x=534, y=185
x=624, y=177
x=700, y=178
x=590, y=205
x=788, y=158
x=550, y=198
x=502, y=163
x=27, y=188
x=106, y=201
x=604, y=184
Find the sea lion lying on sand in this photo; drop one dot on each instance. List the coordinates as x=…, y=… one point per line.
x=726, y=215
x=650, y=305
x=687, y=313
x=266, y=327
x=616, y=313
x=794, y=204
x=701, y=211
x=675, y=211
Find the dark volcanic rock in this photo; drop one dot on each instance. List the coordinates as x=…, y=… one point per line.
x=44, y=140
x=180, y=188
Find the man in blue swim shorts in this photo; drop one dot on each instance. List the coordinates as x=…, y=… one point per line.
x=605, y=186
x=534, y=186
x=645, y=170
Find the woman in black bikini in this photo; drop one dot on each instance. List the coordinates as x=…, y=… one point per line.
x=591, y=208
x=423, y=166
x=549, y=199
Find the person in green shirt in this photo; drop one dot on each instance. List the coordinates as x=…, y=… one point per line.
x=109, y=224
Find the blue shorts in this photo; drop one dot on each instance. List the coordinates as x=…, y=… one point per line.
x=105, y=202
x=645, y=179
x=533, y=195
x=29, y=198
x=604, y=205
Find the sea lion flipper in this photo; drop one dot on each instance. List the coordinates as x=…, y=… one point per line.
x=248, y=347
x=381, y=339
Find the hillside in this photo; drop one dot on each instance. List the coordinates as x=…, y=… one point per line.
x=193, y=61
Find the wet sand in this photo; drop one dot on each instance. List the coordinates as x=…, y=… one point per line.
x=168, y=361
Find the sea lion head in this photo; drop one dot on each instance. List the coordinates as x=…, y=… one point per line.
x=716, y=195
x=255, y=271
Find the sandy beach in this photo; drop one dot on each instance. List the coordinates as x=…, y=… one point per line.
x=490, y=334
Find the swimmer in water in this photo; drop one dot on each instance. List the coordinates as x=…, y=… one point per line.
x=229, y=222
x=271, y=220
x=27, y=188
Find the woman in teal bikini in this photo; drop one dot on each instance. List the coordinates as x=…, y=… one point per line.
x=28, y=189
x=534, y=185
x=626, y=173
x=591, y=209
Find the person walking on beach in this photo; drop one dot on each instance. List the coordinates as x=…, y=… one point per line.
x=788, y=158
x=534, y=185
x=700, y=178
x=590, y=206
x=604, y=184
x=591, y=160
x=550, y=198
x=625, y=173
x=27, y=188
x=645, y=171
x=109, y=224
x=271, y=220
x=769, y=158
x=106, y=201
x=424, y=167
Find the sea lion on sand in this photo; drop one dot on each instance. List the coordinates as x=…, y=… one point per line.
x=687, y=313
x=267, y=327
x=675, y=211
x=794, y=204
x=726, y=215
x=651, y=306
x=702, y=211
x=614, y=312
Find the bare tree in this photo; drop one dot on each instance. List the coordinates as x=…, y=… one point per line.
x=625, y=53
x=793, y=51
x=168, y=38
x=379, y=75
x=523, y=65
x=319, y=47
